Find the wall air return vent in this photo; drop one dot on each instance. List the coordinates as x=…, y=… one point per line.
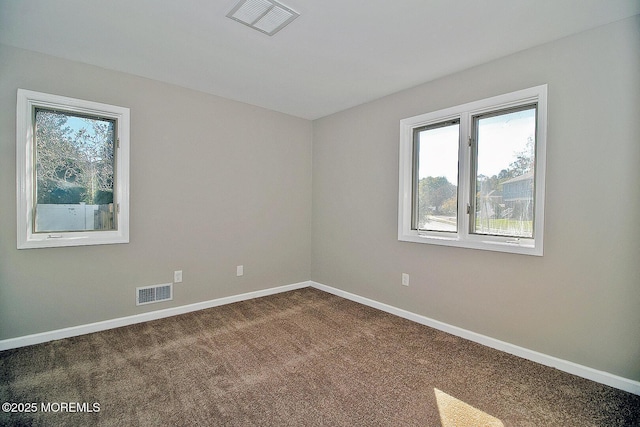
x=155, y=293
x=266, y=16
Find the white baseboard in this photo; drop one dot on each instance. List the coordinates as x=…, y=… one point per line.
x=139, y=318
x=601, y=377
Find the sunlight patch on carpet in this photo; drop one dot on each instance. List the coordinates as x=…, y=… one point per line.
x=456, y=413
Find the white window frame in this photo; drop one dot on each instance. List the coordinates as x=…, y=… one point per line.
x=465, y=113
x=27, y=101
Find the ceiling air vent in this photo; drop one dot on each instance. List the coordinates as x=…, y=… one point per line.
x=155, y=293
x=266, y=16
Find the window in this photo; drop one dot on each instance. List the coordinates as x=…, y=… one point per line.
x=435, y=179
x=72, y=171
x=473, y=175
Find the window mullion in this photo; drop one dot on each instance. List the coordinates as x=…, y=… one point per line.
x=464, y=162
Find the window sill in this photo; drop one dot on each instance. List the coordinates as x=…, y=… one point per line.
x=52, y=240
x=527, y=247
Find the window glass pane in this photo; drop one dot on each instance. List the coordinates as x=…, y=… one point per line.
x=74, y=172
x=436, y=177
x=504, y=178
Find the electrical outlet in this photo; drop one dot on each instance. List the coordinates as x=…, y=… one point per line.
x=405, y=279
x=240, y=270
x=177, y=276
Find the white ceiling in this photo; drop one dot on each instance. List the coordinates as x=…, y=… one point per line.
x=337, y=54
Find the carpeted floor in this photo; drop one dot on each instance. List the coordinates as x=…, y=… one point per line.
x=301, y=358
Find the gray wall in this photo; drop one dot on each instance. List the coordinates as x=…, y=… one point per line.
x=214, y=184
x=581, y=301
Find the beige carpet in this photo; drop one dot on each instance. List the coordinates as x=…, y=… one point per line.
x=301, y=358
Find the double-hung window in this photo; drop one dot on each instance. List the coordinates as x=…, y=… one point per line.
x=473, y=175
x=72, y=171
